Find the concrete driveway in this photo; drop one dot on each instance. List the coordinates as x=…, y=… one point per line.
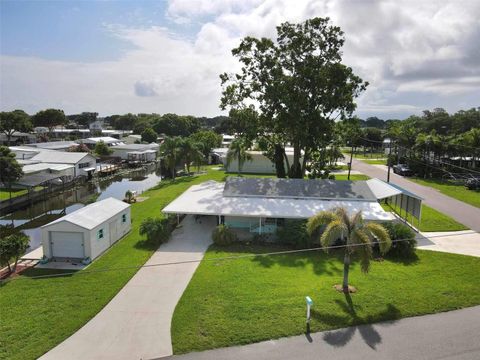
x=462, y=212
x=465, y=242
x=135, y=324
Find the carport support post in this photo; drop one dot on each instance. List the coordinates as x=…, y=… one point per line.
x=260, y=226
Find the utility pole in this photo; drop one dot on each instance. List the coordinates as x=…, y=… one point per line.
x=350, y=163
x=388, y=160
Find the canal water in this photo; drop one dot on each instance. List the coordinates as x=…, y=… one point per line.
x=30, y=219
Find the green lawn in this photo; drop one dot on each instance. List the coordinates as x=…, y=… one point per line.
x=253, y=299
x=433, y=220
x=36, y=315
x=352, y=177
x=458, y=192
x=359, y=156
x=5, y=194
x=375, y=162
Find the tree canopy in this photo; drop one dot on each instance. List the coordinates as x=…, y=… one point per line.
x=11, y=121
x=49, y=118
x=10, y=169
x=149, y=135
x=299, y=84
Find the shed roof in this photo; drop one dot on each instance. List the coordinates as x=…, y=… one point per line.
x=36, y=179
x=94, y=214
x=208, y=199
x=298, y=188
x=105, y=139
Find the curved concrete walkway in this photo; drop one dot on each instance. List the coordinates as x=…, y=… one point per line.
x=135, y=324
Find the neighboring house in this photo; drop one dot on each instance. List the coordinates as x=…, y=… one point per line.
x=87, y=232
x=96, y=125
x=31, y=167
x=132, y=139
x=54, y=145
x=17, y=138
x=261, y=205
x=136, y=152
x=109, y=141
x=259, y=163
x=118, y=134
x=83, y=163
x=227, y=140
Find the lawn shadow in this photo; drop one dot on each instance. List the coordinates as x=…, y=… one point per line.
x=412, y=259
x=322, y=263
x=364, y=325
x=168, y=182
x=146, y=245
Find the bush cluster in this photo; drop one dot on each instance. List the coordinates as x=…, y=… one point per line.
x=222, y=235
x=397, y=231
x=294, y=233
x=156, y=230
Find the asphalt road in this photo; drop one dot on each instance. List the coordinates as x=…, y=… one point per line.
x=462, y=212
x=452, y=335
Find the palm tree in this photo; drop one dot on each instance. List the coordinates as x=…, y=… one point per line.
x=238, y=151
x=359, y=237
x=190, y=152
x=170, y=151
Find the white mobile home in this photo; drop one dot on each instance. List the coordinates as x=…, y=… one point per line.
x=87, y=232
x=136, y=152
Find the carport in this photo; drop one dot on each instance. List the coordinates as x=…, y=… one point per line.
x=403, y=202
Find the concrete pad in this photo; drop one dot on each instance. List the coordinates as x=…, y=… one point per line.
x=135, y=324
x=465, y=242
x=36, y=254
x=61, y=265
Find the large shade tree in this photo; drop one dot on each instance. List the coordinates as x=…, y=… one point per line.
x=358, y=235
x=10, y=169
x=49, y=118
x=11, y=121
x=299, y=84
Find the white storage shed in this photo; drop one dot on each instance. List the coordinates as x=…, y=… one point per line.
x=87, y=232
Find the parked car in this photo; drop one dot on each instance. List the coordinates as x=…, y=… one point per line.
x=473, y=184
x=402, y=169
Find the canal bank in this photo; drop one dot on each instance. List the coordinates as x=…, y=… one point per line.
x=30, y=218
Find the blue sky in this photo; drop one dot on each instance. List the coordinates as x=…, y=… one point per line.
x=165, y=56
x=76, y=30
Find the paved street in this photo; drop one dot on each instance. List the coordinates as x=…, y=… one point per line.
x=452, y=335
x=464, y=213
x=135, y=324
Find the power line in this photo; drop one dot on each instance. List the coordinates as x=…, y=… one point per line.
x=225, y=258
x=428, y=164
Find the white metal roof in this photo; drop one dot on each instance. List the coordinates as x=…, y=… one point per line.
x=62, y=157
x=383, y=190
x=94, y=214
x=32, y=168
x=105, y=139
x=207, y=199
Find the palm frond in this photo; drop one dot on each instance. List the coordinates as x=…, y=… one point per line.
x=381, y=234
x=332, y=232
x=357, y=220
x=342, y=213
x=317, y=221
x=363, y=248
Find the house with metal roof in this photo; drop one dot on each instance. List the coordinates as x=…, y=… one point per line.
x=88, y=232
x=261, y=205
x=136, y=152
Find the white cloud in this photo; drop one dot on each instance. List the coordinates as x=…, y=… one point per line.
x=415, y=54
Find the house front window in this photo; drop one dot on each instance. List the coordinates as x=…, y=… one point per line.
x=124, y=218
x=100, y=234
x=83, y=165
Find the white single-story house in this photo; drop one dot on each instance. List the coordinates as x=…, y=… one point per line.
x=261, y=205
x=108, y=140
x=136, y=152
x=87, y=232
x=132, y=139
x=54, y=145
x=83, y=163
x=17, y=138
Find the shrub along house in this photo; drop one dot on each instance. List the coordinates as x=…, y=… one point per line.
x=87, y=232
x=260, y=205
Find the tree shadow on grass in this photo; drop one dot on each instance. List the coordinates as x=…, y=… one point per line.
x=146, y=245
x=369, y=334
x=412, y=259
x=167, y=182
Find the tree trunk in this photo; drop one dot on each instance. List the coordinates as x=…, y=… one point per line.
x=346, y=269
x=279, y=161
x=296, y=169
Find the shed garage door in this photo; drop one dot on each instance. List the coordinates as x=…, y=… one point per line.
x=67, y=244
